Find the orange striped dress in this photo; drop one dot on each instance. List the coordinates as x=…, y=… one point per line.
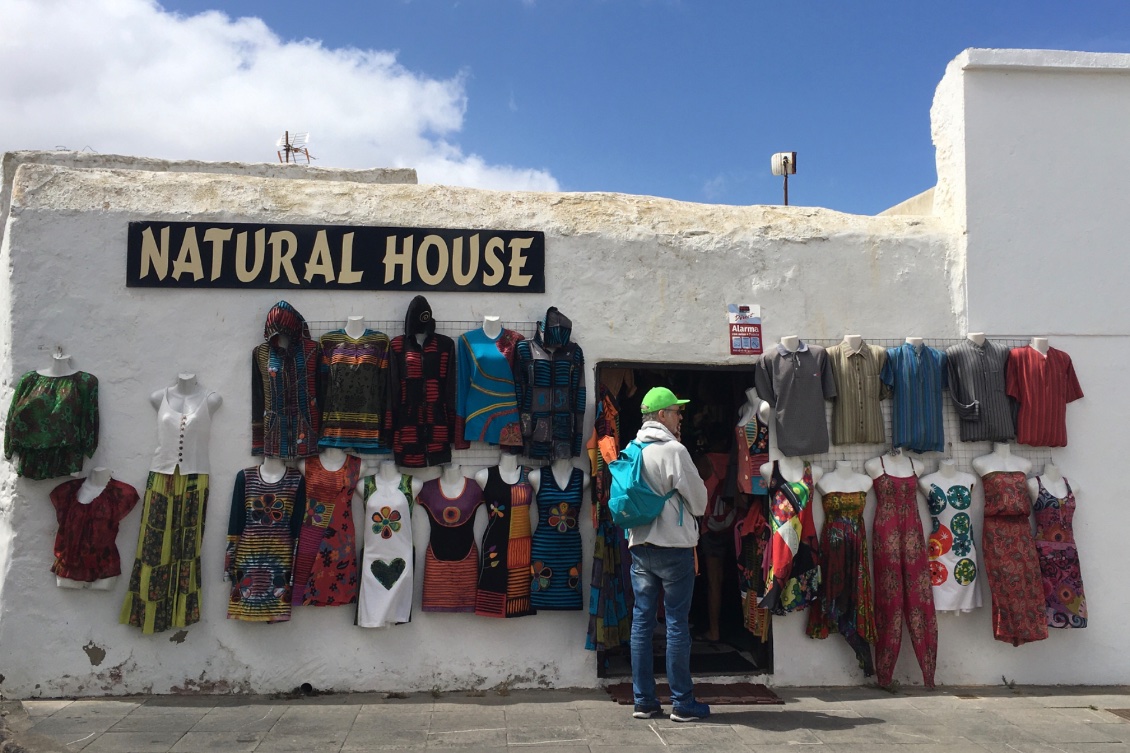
x=451, y=563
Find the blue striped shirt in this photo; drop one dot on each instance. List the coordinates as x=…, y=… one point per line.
x=917, y=375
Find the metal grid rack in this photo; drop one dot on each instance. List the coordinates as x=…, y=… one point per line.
x=962, y=453
x=480, y=454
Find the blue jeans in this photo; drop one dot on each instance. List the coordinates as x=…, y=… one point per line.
x=673, y=571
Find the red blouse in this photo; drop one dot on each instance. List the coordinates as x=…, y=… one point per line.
x=1043, y=386
x=86, y=546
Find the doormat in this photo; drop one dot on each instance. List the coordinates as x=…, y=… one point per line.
x=730, y=694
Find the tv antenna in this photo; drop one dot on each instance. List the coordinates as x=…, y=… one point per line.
x=294, y=144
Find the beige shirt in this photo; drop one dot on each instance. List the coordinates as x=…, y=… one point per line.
x=856, y=415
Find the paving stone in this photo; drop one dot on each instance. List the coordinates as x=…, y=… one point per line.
x=239, y=719
x=383, y=739
x=565, y=736
x=181, y=723
x=151, y=741
x=314, y=742
x=226, y=741
x=487, y=737
x=45, y=708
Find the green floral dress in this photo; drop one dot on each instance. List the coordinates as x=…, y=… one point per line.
x=52, y=423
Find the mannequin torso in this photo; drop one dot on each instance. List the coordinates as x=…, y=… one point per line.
x=844, y=479
x=508, y=471
x=853, y=343
x=791, y=469
x=1053, y=481
x=562, y=472
x=272, y=470
x=894, y=465
x=790, y=343
x=753, y=405
x=1001, y=459
x=94, y=485
x=60, y=366
x=977, y=338
x=492, y=327
x=186, y=396
x=1040, y=345
x=945, y=477
x=452, y=481
x=355, y=326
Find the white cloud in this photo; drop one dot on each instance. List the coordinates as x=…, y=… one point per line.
x=128, y=77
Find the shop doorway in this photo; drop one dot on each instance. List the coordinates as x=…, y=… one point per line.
x=722, y=643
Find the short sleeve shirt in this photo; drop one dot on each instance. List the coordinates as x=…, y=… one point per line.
x=1043, y=386
x=796, y=385
x=917, y=376
x=856, y=415
x=977, y=388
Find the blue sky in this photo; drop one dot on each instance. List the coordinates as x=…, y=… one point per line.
x=685, y=100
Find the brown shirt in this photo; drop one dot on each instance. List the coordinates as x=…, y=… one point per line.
x=856, y=416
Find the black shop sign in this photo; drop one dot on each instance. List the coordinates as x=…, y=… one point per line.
x=333, y=257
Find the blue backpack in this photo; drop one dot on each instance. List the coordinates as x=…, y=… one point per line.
x=631, y=501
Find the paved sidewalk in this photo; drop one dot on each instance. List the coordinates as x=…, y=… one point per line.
x=834, y=720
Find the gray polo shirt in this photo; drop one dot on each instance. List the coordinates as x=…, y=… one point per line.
x=977, y=388
x=796, y=385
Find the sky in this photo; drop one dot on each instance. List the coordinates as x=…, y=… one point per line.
x=683, y=99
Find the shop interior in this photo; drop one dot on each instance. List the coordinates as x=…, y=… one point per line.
x=722, y=644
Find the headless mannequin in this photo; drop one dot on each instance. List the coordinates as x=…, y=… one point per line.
x=390, y=473
x=282, y=341
x=1000, y=459
x=946, y=476
x=1040, y=344
x=60, y=366
x=331, y=458
x=977, y=338
x=844, y=479
x=853, y=343
x=792, y=469
x=790, y=343
x=562, y=472
x=507, y=468
x=355, y=326
x=94, y=485
x=272, y=470
x=492, y=328
x=452, y=482
x=915, y=341
x=753, y=404
x=1053, y=482
x=895, y=464
x=186, y=396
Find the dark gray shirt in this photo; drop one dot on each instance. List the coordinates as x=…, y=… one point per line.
x=796, y=385
x=977, y=388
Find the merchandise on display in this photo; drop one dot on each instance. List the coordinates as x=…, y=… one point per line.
x=792, y=572
x=52, y=420
x=952, y=546
x=504, y=573
x=796, y=378
x=325, y=557
x=556, y=544
x=389, y=558
x=975, y=369
x=487, y=407
x=549, y=381
x=856, y=369
x=1064, y=599
x=421, y=414
x=285, y=415
x=353, y=385
x=88, y=511
x=451, y=562
x=1042, y=381
x=916, y=374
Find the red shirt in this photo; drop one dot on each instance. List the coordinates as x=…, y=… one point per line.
x=1043, y=386
x=86, y=546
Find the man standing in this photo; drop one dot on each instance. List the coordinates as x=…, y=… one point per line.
x=663, y=558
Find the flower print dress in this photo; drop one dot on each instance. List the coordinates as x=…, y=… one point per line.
x=954, y=563
x=556, y=547
x=388, y=559
x=1064, y=600
x=325, y=562
x=504, y=574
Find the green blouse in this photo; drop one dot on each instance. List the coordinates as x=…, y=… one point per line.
x=52, y=423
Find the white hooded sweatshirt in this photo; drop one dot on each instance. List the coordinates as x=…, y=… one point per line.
x=667, y=465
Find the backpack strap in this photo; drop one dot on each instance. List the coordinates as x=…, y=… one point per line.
x=668, y=495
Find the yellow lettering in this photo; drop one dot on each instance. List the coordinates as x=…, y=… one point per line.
x=518, y=248
x=217, y=237
x=320, y=262
x=283, y=259
x=457, y=274
x=490, y=253
x=403, y=259
x=241, y=271
x=422, y=260
x=152, y=256
x=348, y=276
x=188, y=260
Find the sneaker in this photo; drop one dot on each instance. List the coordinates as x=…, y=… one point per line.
x=690, y=712
x=647, y=712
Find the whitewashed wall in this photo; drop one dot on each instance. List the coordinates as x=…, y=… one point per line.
x=642, y=278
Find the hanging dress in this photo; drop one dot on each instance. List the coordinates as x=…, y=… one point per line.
x=388, y=560
x=262, y=528
x=845, y=604
x=504, y=574
x=52, y=423
x=952, y=549
x=451, y=563
x=751, y=543
x=165, y=581
x=902, y=578
x=792, y=571
x=556, y=550
x=1012, y=564
x=325, y=561
x=1064, y=600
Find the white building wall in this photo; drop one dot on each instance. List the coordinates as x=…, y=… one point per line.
x=643, y=279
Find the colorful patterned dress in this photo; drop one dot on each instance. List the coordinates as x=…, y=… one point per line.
x=1012, y=564
x=556, y=550
x=325, y=561
x=487, y=405
x=902, y=578
x=845, y=604
x=792, y=570
x=262, y=528
x=353, y=390
x=751, y=543
x=389, y=559
x=451, y=563
x=52, y=423
x=1064, y=600
x=504, y=575
x=952, y=549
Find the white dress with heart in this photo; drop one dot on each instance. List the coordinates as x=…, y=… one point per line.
x=388, y=558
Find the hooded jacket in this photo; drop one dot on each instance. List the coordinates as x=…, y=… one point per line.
x=667, y=465
x=284, y=404
x=420, y=416
x=549, y=383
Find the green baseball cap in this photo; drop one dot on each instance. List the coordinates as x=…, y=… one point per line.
x=658, y=398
